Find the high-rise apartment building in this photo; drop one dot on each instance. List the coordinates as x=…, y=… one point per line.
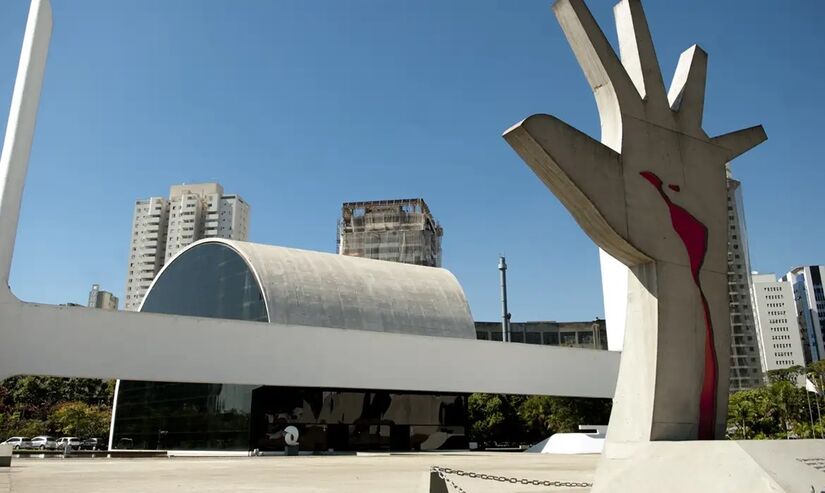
x=780, y=344
x=745, y=360
x=809, y=299
x=394, y=230
x=101, y=299
x=203, y=211
x=161, y=227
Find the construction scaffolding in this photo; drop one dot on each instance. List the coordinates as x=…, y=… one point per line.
x=401, y=230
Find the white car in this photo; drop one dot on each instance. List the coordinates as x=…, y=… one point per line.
x=18, y=442
x=73, y=442
x=44, y=442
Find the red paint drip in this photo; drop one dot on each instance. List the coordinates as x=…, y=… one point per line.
x=694, y=236
x=675, y=188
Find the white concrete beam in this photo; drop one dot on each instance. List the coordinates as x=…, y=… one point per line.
x=82, y=342
x=14, y=161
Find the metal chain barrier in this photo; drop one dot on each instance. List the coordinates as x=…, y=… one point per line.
x=443, y=472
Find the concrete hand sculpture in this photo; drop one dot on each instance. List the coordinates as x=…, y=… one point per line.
x=652, y=194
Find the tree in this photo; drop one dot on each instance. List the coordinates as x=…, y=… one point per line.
x=570, y=412
x=15, y=425
x=777, y=410
x=37, y=395
x=536, y=414
x=80, y=419
x=517, y=419
x=27, y=402
x=493, y=418
x=790, y=374
x=817, y=371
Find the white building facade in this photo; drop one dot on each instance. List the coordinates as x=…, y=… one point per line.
x=780, y=343
x=163, y=226
x=809, y=297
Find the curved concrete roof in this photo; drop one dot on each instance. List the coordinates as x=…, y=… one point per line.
x=303, y=287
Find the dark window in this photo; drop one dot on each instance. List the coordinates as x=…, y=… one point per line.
x=568, y=338
x=551, y=338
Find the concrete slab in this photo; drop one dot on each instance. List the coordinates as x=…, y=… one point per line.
x=753, y=466
x=303, y=474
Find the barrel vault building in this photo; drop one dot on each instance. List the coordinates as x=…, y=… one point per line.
x=246, y=281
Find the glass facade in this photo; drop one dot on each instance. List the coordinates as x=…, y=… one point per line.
x=182, y=416
x=358, y=419
x=212, y=280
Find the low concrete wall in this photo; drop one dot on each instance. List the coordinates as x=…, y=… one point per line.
x=88, y=454
x=5, y=455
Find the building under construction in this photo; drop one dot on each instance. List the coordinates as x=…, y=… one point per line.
x=396, y=230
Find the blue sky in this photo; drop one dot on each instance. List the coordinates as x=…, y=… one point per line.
x=300, y=105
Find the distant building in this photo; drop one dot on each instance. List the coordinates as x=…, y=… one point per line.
x=587, y=335
x=809, y=299
x=745, y=361
x=161, y=227
x=102, y=299
x=780, y=343
x=395, y=230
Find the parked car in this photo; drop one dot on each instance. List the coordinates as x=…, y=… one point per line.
x=93, y=444
x=44, y=442
x=125, y=443
x=18, y=442
x=73, y=442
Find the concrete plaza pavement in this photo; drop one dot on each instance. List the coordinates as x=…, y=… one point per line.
x=304, y=474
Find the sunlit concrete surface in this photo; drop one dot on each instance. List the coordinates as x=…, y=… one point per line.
x=304, y=474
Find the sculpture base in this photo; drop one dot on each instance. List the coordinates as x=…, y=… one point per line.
x=747, y=466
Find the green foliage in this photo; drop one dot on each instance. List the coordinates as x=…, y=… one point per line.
x=493, y=417
x=32, y=405
x=570, y=412
x=15, y=425
x=817, y=370
x=790, y=374
x=80, y=419
x=514, y=419
x=777, y=410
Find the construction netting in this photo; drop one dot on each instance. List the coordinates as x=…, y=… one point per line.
x=393, y=230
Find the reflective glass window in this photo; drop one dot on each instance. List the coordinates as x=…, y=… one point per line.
x=210, y=280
